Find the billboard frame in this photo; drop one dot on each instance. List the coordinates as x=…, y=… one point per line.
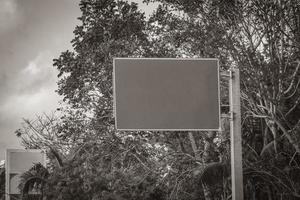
x=164, y=129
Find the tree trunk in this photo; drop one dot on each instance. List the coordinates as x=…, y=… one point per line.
x=206, y=190
x=273, y=129
x=194, y=146
x=286, y=133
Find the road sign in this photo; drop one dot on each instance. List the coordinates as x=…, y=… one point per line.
x=166, y=94
x=17, y=162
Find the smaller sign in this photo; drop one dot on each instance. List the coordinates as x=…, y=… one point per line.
x=17, y=162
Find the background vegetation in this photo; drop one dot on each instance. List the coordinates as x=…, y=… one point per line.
x=89, y=159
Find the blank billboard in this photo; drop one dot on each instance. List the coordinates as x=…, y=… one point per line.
x=166, y=94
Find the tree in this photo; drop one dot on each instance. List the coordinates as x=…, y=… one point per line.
x=261, y=38
x=109, y=29
x=2, y=183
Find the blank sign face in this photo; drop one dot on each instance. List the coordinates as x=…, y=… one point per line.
x=23, y=161
x=166, y=94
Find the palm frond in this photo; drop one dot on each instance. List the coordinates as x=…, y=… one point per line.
x=34, y=178
x=213, y=173
x=33, y=183
x=57, y=156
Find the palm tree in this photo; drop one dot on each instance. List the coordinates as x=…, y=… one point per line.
x=34, y=180
x=213, y=176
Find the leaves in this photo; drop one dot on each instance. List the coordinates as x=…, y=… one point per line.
x=98, y=162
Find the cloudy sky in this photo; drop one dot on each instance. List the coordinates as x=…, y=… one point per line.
x=32, y=33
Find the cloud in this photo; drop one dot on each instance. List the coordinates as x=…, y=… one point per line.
x=37, y=74
x=8, y=8
x=39, y=65
x=33, y=90
x=32, y=68
x=22, y=88
x=9, y=15
x=43, y=101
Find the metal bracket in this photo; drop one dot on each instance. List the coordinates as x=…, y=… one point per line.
x=226, y=74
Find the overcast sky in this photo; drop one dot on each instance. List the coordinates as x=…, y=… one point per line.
x=32, y=33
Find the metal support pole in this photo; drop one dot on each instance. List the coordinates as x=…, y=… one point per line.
x=235, y=136
x=7, y=197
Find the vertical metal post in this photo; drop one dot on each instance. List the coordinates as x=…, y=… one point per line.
x=235, y=136
x=7, y=197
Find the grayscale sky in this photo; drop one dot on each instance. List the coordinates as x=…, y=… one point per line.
x=32, y=33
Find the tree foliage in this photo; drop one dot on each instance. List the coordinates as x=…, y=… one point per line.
x=89, y=159
x=2, y=183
